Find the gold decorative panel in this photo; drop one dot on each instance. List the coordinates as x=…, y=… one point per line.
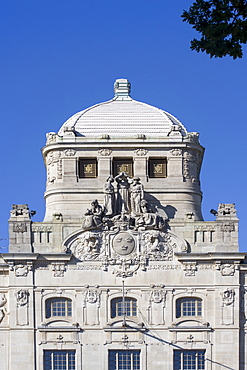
x=87, y=168
x=158, y=167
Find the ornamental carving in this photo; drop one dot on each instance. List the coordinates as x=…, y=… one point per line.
x=21, y=296
x=176, y=152
x=87, y=246
x=192, y=137
x=3, y=310
x=192, y=165
x=21, y=270
x=226, y=209
x=158, y=296
x=124, y=233
x=227, y=297
x=92, y=296
x=227, y=269
x=228, y=227
x=158, y=245
x=20, y=227
x=190, y=268
x=141, y=152
x=20, y=210
x=105, y=152
x=58, y=268
x=69, y=152
x=54, y=166
x=51, y=137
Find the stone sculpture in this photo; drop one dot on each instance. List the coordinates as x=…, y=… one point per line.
x=136, y=195
x=93, y=215
x=109, y=199
x=123, y=184
x=3, y=310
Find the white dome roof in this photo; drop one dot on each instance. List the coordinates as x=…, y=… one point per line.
x=122, y=116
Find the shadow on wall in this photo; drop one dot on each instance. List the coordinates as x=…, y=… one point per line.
x=155, y=205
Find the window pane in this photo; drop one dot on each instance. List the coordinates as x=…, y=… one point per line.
x=189, y=360
x=59, y=360
x=118, y=309
x=124, y=360
x=188, y=307
x=58, y=307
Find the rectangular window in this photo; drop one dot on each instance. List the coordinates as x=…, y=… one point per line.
x=124, y=360
x=58, y=307
x=123, y=165
x=189, y=360
x=157, y=167
x=59, y=360
x=87, y=168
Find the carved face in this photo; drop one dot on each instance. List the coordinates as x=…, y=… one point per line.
x=123, y=243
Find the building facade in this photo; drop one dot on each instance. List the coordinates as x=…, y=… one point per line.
x=123, y=272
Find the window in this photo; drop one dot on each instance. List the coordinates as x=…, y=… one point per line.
x=188, y=307
x=58, y=307
x=87, y=168
x=59, y=360
x=157, y=167
x=123, y=165
x=187, y=360
x=129, y=308
x=124, y=360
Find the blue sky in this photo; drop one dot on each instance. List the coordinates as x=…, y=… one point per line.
x=60, y=56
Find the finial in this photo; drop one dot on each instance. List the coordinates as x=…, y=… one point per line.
x=122, y=89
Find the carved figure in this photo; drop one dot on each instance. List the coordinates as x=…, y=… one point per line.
x=3, y=310
x=136, y=195
x=87, y=247
x=22, y=297
x=152, y=241
x=158, y=295
x=92, y=296
x=109, y=200
x=122, y=193
x=227, y=297
x=149, y=219
x=93, y=215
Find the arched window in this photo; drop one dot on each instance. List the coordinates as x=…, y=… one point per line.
x=120, y=307
x=58, y=307
x=188, y=306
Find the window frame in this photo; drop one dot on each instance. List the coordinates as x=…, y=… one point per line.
x=51, y=307
x=87, y=161
x=127, y=161
x=121, y=359
x=157, y=160
x=116, y=308
x=50, y=359
x=188, y=307
x=191, y=363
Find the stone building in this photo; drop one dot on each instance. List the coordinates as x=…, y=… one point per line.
x=123, y=273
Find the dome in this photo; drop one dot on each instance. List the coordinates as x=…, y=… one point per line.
x=122, y=116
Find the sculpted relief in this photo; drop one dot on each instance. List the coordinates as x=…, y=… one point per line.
x=3, y=310
x=125, y=231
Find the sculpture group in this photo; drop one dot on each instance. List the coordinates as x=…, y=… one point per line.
x=125, y=202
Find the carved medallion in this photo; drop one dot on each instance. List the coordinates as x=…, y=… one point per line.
x=123, y=243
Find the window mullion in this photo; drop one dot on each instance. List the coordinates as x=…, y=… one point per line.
x=117, y=361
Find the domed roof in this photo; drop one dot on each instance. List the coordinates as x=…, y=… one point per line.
x=122, y=117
